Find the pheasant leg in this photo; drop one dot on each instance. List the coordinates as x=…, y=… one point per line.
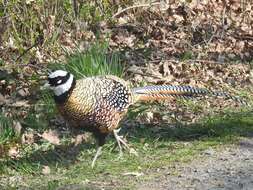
x=98, y=153
x=121, y=141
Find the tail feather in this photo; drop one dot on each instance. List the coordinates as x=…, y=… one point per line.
x=160, y=92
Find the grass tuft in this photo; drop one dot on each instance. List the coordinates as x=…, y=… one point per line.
x=97, y=60
x=7, y=132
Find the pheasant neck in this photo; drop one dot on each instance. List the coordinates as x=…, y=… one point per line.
x=64, y=97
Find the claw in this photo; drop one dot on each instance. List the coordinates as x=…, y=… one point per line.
x=121, y=142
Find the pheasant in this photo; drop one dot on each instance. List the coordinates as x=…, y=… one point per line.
x=97, y=104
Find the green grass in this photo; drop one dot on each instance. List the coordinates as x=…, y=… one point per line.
x=160, y=146
x=7, y=132
x=97, y=60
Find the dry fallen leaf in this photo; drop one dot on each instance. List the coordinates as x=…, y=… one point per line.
x=14, y=152
x=23, y=92
x=46, y=170
x=10, y=44
x=21, y=103
x=79, y=139
x=2, y=99
x=51, y=136
x=27, y=138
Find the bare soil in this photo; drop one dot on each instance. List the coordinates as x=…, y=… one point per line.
x=230, y=168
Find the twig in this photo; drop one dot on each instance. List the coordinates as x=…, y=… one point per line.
x=147, y=75
x=224, y=27
x=197, y=60
x=75, y=8
x=36, y=67
x=177, y=61
x=28, y=49
x=133, y=7
x=204, y=61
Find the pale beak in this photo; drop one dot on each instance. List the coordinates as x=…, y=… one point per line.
x=45, y=86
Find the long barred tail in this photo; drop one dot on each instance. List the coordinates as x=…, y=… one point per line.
x=159, y=92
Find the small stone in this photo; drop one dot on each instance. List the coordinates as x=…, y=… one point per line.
x=168, y=173
x=210, y=152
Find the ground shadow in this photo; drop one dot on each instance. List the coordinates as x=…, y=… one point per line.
x=223, y=125
x=60, y=155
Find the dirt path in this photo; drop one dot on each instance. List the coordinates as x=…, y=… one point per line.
x=228, y=169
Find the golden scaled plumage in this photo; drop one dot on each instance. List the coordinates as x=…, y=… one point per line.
x=97, y=102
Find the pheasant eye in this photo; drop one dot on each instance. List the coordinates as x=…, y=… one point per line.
x=59, y=81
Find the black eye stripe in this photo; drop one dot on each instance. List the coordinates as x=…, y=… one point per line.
x=53, y=81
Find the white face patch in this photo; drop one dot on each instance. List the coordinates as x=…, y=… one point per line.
x=58, y=73
x=59, y=81
x=61, y=89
